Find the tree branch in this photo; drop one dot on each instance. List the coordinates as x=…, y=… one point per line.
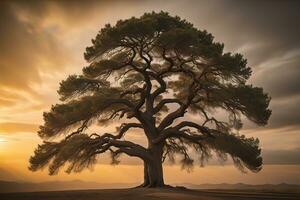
x=168, y=120
x=173, y=133
x=106, y=141
x=164, y=102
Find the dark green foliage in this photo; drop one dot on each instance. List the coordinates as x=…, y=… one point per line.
x=76, y=85
x=137, y=68
x=78, y=152
x=175, y=33
x=100, y=68
x=63, y=116
x=244, y=151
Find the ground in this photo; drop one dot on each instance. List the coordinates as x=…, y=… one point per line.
x=150, y=194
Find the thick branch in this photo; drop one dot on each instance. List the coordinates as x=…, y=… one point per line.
x=177, y=131
x=163, y=102
x=168, y=120
x=159, y=90
x=106, y=142
x=200, y=128
x=174, y=133
x=125, y=127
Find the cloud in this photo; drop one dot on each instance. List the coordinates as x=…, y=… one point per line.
x=267, y=34
x=6, y=102
x=285, y=112
x=12, y=127
x=41, y=42
x=26, y=48
x=281, y=77
x=282, y=157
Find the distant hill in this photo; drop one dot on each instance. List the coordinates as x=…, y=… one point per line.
x=242, y=186
x=10, y=186
x=8, y=175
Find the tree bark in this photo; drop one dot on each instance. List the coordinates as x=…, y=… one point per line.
x=153, y=170
x=146, y=176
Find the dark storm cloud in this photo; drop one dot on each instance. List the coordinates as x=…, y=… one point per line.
x=276, y=157
x=282, y=81
x=267, y=33
x=282, y=157
x=276, y=21
x=285, y=113
x=271, y=25
x=274, y=27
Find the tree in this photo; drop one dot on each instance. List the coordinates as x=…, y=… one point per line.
x=149, y=72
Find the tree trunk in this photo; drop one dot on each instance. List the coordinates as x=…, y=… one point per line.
x=153, y=170
x=146, y=176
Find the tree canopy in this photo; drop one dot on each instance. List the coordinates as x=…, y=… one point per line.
x=151, y=71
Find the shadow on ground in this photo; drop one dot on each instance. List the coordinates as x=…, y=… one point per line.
x=150, y=194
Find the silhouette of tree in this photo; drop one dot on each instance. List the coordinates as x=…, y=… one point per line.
x=149, y=72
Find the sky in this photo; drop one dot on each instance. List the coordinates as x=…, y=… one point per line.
x=42, y=42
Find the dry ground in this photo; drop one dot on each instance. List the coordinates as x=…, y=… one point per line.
x=151, y=194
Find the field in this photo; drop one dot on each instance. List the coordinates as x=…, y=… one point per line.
x=151, y=194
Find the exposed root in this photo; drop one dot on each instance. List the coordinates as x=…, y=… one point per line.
x=143, y=185
x=164, y=186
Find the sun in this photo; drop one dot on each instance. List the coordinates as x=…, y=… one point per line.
x=2, y=140
x=3, y=143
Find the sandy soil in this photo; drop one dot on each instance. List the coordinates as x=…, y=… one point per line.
x=151, y=194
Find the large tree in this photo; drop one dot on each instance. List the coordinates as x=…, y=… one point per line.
x=147, y=73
